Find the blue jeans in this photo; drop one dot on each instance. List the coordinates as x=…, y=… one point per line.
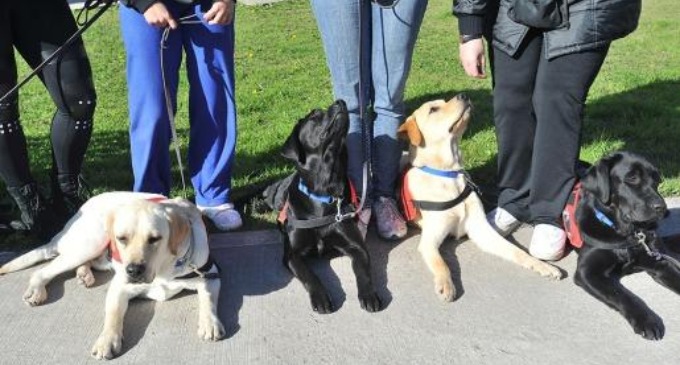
x=388, y=42
x=209, y=51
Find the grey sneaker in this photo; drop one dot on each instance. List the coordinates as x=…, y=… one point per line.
x=502, y=221
x=391, y=225
x=224, y=216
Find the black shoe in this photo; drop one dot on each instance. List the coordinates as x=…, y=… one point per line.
x=37, y=217
x=69, y=193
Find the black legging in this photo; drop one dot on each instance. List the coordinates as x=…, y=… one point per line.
x=37, y=28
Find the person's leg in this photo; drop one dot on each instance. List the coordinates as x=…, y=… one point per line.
x=212, y=113
x=14, y=167
x=562, y=86
x=394, y=33
x=149, y=125
x=338, y=23
x=37, y=29
x=515, y=124
x=48, y=24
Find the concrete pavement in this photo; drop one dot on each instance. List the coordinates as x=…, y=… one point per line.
x=505, y=315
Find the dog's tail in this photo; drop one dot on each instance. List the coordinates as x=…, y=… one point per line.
x=266, y=196
x=43, y=253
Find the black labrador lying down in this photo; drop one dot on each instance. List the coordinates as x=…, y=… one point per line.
x=617, y=214
x=317, y=194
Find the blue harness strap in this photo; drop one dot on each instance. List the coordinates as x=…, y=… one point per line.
x=452, y=174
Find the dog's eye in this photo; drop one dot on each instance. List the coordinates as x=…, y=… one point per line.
x=153, y=239
x=633, y=179
x=122, y=239
x=434, y=109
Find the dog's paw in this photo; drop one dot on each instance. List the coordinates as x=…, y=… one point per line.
x=35, y=295
x=549, y=271
x=647, y=325
x=370, y=302
x=108, y=345
x=211, y=329
x=85, y=276
x=444, y=289
x=321, y=302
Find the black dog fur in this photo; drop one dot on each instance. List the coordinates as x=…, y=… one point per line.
x=317, y=147
x=624, y=186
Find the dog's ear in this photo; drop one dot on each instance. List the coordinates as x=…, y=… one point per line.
x=179, y=229
x=597, y=180
x=409, y=131
x=292, y=148
x=110, y=219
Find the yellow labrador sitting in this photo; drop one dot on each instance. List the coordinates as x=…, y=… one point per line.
x=157, y=247
x=443, y=205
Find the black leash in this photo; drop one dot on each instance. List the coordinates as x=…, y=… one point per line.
x=89, y=5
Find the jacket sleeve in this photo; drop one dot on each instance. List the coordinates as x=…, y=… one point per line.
x=470, y=15
x=139, y=5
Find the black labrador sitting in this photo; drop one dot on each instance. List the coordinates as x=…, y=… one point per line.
x=318, y=210
x=617, y=215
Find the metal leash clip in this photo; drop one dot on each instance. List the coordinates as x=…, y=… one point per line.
x=339, y=217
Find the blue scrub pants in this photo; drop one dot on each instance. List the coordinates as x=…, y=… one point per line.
x=209, y=53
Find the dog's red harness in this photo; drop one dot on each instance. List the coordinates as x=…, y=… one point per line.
x=569, y=217
x=113, y=249
x=408, y=208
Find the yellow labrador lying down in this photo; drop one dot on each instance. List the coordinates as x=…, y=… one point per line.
x=156, y=246
x=437, y=179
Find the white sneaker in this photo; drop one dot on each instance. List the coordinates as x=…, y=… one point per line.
x=224, y=216
x=547, y=242
x=502, y=221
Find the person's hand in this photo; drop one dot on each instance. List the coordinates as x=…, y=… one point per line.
x=221, y=13
x=472, y=58
x=158, y=15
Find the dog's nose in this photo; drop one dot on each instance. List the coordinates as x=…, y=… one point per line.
x=135, y=271
x=659, y=207
x=463, y=96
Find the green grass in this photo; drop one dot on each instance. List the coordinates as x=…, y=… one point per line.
x=281, y=74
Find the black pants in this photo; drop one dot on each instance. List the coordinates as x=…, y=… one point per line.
x=538, y=112
x=36, y=28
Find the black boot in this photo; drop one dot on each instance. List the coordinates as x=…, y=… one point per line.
x=36, y=216
x=69, y=193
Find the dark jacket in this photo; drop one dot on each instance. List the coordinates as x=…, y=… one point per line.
x=591, y=24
